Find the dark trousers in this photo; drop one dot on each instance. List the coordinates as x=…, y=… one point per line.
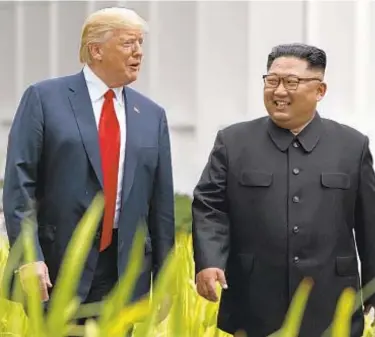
x=106, y=275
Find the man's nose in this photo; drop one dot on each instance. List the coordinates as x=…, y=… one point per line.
x=137, y=49
x=280, y=89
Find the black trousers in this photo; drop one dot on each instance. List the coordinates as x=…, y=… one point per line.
x=106, y=275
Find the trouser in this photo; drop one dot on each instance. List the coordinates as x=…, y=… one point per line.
x=105, y=277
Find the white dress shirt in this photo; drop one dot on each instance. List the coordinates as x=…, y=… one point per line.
x=97, y=88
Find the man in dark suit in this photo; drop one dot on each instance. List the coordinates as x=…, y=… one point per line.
x=75, y=136
x=280, y=200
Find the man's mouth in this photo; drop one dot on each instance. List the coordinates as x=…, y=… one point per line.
x=281, y=104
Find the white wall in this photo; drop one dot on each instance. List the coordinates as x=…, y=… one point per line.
x=203, y=60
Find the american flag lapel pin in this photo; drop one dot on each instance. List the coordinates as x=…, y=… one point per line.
x=136, y=110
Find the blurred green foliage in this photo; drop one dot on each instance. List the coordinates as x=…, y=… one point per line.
x=174, y=310
x=183, y=212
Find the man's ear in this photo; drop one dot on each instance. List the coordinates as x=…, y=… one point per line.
x=321, y=91
x=96, y=51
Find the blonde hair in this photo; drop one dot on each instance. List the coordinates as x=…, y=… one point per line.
x=99, y=23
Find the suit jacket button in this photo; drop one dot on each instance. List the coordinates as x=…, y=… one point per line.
x=296, y=199
x=296, y=171
x=296, y=259
x=295, y=229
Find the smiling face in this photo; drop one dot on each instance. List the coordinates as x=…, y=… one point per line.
x=117, y=60
x=291, y=101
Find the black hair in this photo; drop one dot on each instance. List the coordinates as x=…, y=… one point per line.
x=315, y=57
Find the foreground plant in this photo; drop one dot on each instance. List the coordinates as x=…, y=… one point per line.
x=189, y=314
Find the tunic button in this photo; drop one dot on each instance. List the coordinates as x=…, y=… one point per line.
x=295, y=144
x=296, y=259
x=296, y=171
x=296, y=199
x=295, y=229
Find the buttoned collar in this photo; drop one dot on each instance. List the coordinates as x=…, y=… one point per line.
x=97, y=88
x=308, y=137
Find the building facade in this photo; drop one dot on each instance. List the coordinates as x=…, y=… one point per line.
x=203, y=61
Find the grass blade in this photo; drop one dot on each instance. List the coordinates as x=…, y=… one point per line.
x=342, y=320
x=33, y=295
x=296, y=310
x=72, y=266
x=120, y=295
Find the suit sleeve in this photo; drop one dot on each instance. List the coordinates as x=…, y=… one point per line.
x=210, y=212
x=25, y=143
x=365, y=218
x=161, y=214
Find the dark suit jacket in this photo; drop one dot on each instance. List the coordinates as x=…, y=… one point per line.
x=53, y=159
x=271, y=209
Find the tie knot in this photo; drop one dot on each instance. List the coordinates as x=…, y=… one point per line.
x=109, y=94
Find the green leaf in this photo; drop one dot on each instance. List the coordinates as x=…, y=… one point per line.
x=72, y=267
x=343, y=314
x=294, y=315
x=120, y=295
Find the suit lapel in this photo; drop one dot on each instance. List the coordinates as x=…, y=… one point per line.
x=81, y=105
x=132, y=142
x=84, y=114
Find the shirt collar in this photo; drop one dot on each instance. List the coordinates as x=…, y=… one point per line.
x=308, y=137
x=97, y=88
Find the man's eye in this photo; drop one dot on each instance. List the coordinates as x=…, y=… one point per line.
x=272, y=81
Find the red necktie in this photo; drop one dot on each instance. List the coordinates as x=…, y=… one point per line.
x=109, y=139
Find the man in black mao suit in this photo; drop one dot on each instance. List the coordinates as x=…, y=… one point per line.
x=280, y=200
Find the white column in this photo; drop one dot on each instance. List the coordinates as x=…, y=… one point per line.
x=170, y=60
x=72, y=15
x=154, y=45
x=222, y=70
x=312, y=22
x=19, y=51
x=53, y=38
x=7, y=62
x=270, y=23
x=8, y=70
x=362, y=49
x=90, y=6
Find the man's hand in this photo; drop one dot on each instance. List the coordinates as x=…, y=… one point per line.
x=368, y=309
x=367, y=313
x=41, y=270
x=206, y=283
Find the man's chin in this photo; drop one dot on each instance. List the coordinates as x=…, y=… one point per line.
x=130, y=78
x=281, y=115
x=133, y=76
x=281, y=119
